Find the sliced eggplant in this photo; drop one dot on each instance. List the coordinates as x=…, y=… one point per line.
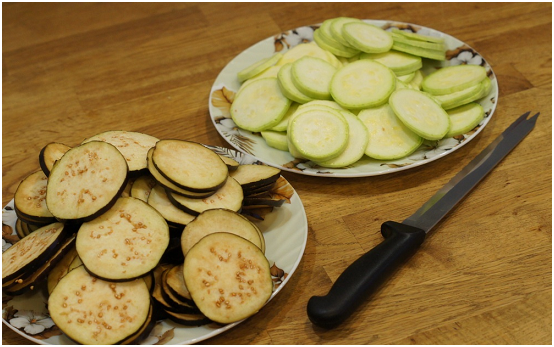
x=19, y=229
x=176, y=283
x=30, y=199
x=256, y=214
x=259, y=190
x=143, y=332
x=190, y=165
x=125, y=242
x=173, y=300
x=132, y=145
x=49, y=154
x=252, y=176
x=61, y=268
x=86, y=181
x=142, y=186
x=29, y=282
x=219, y=220
x=229, y=196
x=159, y=298
x=264, y=200
x=188, y=319
x=90, y=310
x=169, y=185
x=232, y=164
x=228, y=277
x=30, y=252
x=158, y=199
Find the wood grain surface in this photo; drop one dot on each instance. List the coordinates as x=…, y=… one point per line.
x=484, y=276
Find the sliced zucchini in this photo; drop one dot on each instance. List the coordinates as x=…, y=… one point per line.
x=389, y=138
x=310, y=49
x=142, y=186
x=418, y=51
x=189, y=165
x=125, y=242
x=30, y=252
x=464, y=118
x=219, y=220
x=228, y=277
x=399, y=62
x=160, y=179
x=282, y=125
x=251, y=176
x=30, y=281
x=276, y=139
x=86, y=181
x=416, y=36
x=329, y=44
x=454, y=78
x=90, y=310
x=158, y=199
x=366, y=37
x=229, y=196
x=132, y=145
x=312, y=76
x=451, y=100
x=30, y=199
x=335, y=28
x=420, y=113
x=401, y=38
x=49, y=154
x=407, y=78
x=357, y=142
x=417, y=80
x=258, y=67
x=288, y=88
x=363, y=84
x=260, y=105
x=319, y=135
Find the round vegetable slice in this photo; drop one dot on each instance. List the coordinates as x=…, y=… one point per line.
x=329, y=44
x=158, y=199
x=133, y=145
x=288, y=87
x=258, y=67
x=30, y=198
x=49, y=154
x=319, y=135
x=228, y=277
x=251, y=176
x=312, y=76
x=454, y=78
x=465, y=118
x=86, y=181
x=260, y=105
x=399, y=62
x=124, y=243
x=90, y=310
x=420, y=113
x=219, y=220
x=189, y=165
x=363, y=84
x=336, y=25
x=367, y=37
x=389, y=138
x=276, y=139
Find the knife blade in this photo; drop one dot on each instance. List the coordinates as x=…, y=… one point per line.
x=401, y=240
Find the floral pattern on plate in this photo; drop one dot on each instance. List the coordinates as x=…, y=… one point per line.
x=224, y=89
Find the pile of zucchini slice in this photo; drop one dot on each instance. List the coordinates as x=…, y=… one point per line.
x=369, y=93
x=125, y=229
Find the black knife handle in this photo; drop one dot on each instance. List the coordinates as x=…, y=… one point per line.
x=365, y=275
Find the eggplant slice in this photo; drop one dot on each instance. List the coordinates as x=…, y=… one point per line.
x=90, y=310
x=190, y=165
x=49, y=154
x=158, y=199
x=254, y=176
x=132, y=145
x=124, y=243
x=86, y=181
x=30, y=199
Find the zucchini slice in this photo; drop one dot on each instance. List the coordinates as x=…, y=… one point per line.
x=288, y=88
x=229, y=196
x=219, y=220
x=251, y=176
x=389, y=138
x=189, y=165
x=90, y=310
x=366, y=37
x=336, y=25
x=420, y=113
x=363, y=84
x=124, y=243
x=49, y=154
x=86, y=181
x=260, y=105
x=171, y=186
x=399, y=62
x=454, y=78
x=276, y=139
x=30, y=199
x=416, y=36
x=258, y=67
x=132, y=145
x=464, y=118
x=312, y=76
x=228, y=277
x=30, y=252
x=158, y=199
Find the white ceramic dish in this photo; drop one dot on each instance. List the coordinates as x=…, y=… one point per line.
x=285, y=230
x=251, y=143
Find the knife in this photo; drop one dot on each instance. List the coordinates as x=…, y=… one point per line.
x=401, y=240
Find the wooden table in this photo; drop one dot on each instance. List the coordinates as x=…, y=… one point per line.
x=484, y=277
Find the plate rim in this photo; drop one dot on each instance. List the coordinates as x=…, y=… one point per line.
x=324, y=172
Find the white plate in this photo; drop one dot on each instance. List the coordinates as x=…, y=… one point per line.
x=285, y=230
x=253, y=143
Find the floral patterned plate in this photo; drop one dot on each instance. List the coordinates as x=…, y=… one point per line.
x=226, y=84
x=285, y=230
